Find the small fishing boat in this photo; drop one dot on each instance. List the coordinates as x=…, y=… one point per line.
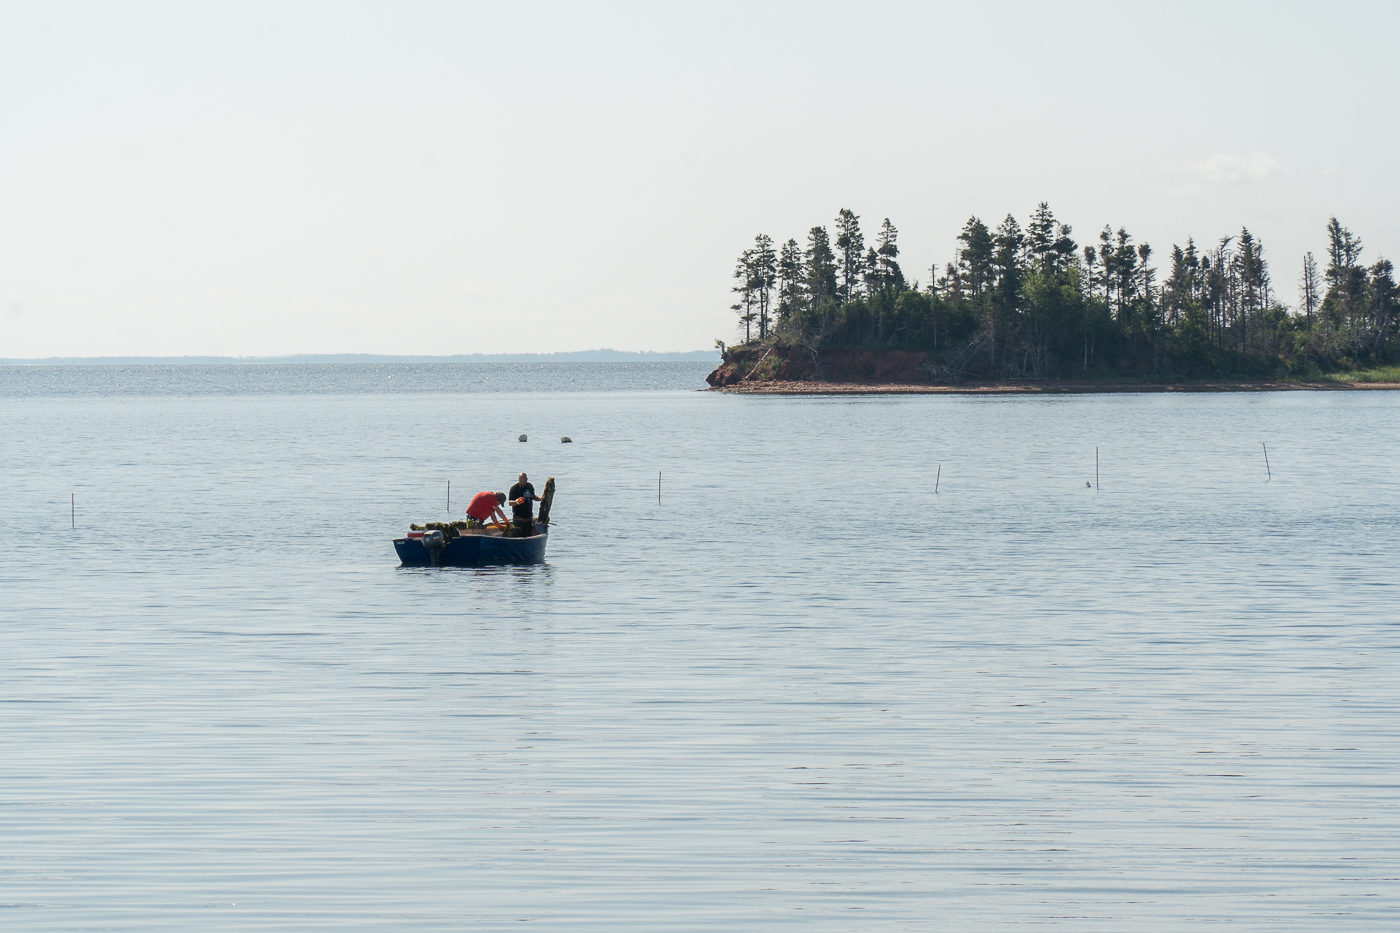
x=477, y=547
x=456, y=545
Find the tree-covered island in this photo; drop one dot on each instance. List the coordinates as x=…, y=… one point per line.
x=1029, y=303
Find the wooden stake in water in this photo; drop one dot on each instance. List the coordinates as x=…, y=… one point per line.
x=658, y=487
x=936, y=477
x=73, y=508
x=449, y=498
x=1096, y=469
x=1266, y=461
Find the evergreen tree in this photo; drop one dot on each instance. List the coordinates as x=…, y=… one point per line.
x=1091, y=269
x=1345, y=303
x=792, y=278
x=886, y=251
x=745, y=275
x=1041, y=239
x=1385, y=304
x=821, y=267
x=1343, y=253
x=765, y=276
x=1108, y=263
x=1008, y=269
x=975, y=258
x=850, y=244
x=1309, y=288
x=1183, y=286
x=1253, y=283
x=870, y=277
x=1121, y=263
x=1049, y=244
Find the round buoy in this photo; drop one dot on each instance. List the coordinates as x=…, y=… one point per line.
x=523, y=438
x=566, y=440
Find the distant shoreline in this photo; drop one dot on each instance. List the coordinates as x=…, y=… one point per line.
x=1038, y=388
x=569, y=356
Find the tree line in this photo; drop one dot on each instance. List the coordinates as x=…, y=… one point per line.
x=1030, y=302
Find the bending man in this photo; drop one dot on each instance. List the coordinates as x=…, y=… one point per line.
x=486, y=507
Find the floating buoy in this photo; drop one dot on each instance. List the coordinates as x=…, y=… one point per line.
x=566, y=440
x=523, y=438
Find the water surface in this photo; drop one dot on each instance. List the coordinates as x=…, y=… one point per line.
x=804, y=691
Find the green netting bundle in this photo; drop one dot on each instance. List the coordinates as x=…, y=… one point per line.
x=449, y=530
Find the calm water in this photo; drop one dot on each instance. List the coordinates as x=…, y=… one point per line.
x=803, y=692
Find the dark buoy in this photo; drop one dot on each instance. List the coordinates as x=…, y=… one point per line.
x=566, y=440
x=523, y=438
x=1088, y=485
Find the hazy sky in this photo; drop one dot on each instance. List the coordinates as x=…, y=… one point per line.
x=258, y=179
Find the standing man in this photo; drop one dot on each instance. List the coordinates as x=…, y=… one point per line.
x=522, y=496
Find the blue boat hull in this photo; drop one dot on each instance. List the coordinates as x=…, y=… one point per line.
x=472, y=551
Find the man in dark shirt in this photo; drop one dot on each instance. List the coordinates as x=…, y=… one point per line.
x=522, y=498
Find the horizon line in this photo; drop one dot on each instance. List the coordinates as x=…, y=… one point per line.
x=602, y=355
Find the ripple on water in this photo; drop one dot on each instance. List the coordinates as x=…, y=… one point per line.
x=804, y=691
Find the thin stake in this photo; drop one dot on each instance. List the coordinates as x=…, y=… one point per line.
x=1266, y=461
x=73, y=508
x=1096, y=469
x=658, y=487
x=449, y=498
x=936, y=477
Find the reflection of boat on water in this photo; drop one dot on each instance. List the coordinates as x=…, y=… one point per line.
x=478, y=547
x=456, y=545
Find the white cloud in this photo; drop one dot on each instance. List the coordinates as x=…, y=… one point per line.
x=1223, y=169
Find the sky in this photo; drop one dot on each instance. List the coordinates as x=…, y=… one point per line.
x=258, y=179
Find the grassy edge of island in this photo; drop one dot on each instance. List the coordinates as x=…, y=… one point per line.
x=1048, y=387
x=905, y=373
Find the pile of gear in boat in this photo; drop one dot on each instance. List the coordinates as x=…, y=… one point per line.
x=485, y=515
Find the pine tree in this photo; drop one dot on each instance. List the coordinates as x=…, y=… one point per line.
x=1345, y=301
x=1385, y=302
x=1124, y=270
x=1343, y=252
x=1009, y=269
x=871, y=274
x=886, y=251
x=975, y=258
x=1253, y=278
x=1091, y=265
x=792, y=275
x=1040, y=237
x=1309, y=288
x=1065, y=247
x=1049, y=244
x=1008, y=262
x=744, y=274
x=850, y=243
x=821, y=266
x=1182, y=289
x=765, y=274
x=1108, y=262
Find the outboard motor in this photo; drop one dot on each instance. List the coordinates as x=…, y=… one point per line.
x=434, y=540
